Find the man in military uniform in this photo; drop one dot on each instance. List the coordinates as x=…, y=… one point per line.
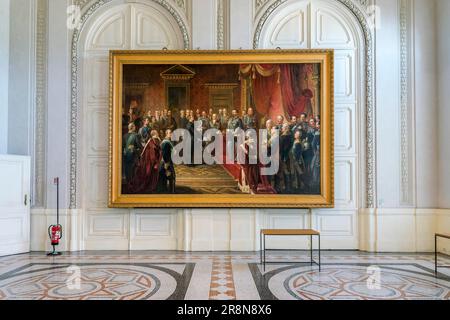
x=250, y=121
x=308, y=151
x=135, y=118
x=283, y=178
x=183, y=120
x=223, y=120
x=131, y=149
x=315, y=164
x=215, y=123
x=304, y=122
x=235, y=122
x=243, y=113
x=144, y=132
x=297, y=126
x=158, y=119
x=280, y=122
x=205, y=121
x=293, y=122
x=164, y=120
x=167, y=169
x=190, y=127
x=171, y=123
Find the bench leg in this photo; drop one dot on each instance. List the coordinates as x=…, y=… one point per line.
x=264, y=253
x=311, y=249
x=435, y=255
x=260, y=248
x=319, y=254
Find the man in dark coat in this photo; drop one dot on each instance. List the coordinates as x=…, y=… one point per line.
x=183, y=120
x=167, y=169
x=131, y=147
x=171, y=124
x=250, y=121
x=283, y=179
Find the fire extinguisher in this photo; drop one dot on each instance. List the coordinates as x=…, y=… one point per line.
x=55, y=231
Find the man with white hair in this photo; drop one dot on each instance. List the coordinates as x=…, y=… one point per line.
x=280, y=122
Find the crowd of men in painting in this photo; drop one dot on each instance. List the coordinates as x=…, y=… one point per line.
x=148, y=148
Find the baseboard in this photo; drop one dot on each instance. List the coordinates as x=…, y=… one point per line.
x=156, y=243
x=377, y=230
x=71, y=222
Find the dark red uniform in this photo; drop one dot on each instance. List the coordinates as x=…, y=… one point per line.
x=146, y=176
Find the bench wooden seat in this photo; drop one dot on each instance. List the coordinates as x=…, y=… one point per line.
x=288, y=232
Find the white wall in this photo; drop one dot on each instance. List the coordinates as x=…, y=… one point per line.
x=4, y=75
x=426, y=104
x=204, y=24
x=443, y=74
x=241, y=28
x=389, y=227
x=388, y=106
x=58, y=114
x=21, y=63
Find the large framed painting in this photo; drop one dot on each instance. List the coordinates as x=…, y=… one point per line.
x=221, y=128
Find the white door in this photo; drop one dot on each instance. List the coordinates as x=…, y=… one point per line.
x=14, y=204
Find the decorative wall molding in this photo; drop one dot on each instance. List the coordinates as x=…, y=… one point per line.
x=181, y=4
x=203, y=230
x=184, y=5
x=406, y=108
x=81, y=3
x=355, y=7
x=259, y=5
x=74, y=81
x=223, y=14
x=364, y=3
x=39, y=159
x=404, y=100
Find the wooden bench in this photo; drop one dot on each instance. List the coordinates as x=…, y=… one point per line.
x=287, y=232
x=436, y=236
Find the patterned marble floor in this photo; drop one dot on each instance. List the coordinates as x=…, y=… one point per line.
x=222, y=276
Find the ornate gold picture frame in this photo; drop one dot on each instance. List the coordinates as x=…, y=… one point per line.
x=285, y=95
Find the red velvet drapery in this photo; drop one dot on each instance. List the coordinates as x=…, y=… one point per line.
x=266, y=90
x=295, y=98
x=278, y=89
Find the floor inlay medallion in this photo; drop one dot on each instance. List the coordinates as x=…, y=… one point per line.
x=96, y=282
x=156, y=275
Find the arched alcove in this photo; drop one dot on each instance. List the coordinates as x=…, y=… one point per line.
x=321, y=24
x=116, y=25
x=290, y=24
